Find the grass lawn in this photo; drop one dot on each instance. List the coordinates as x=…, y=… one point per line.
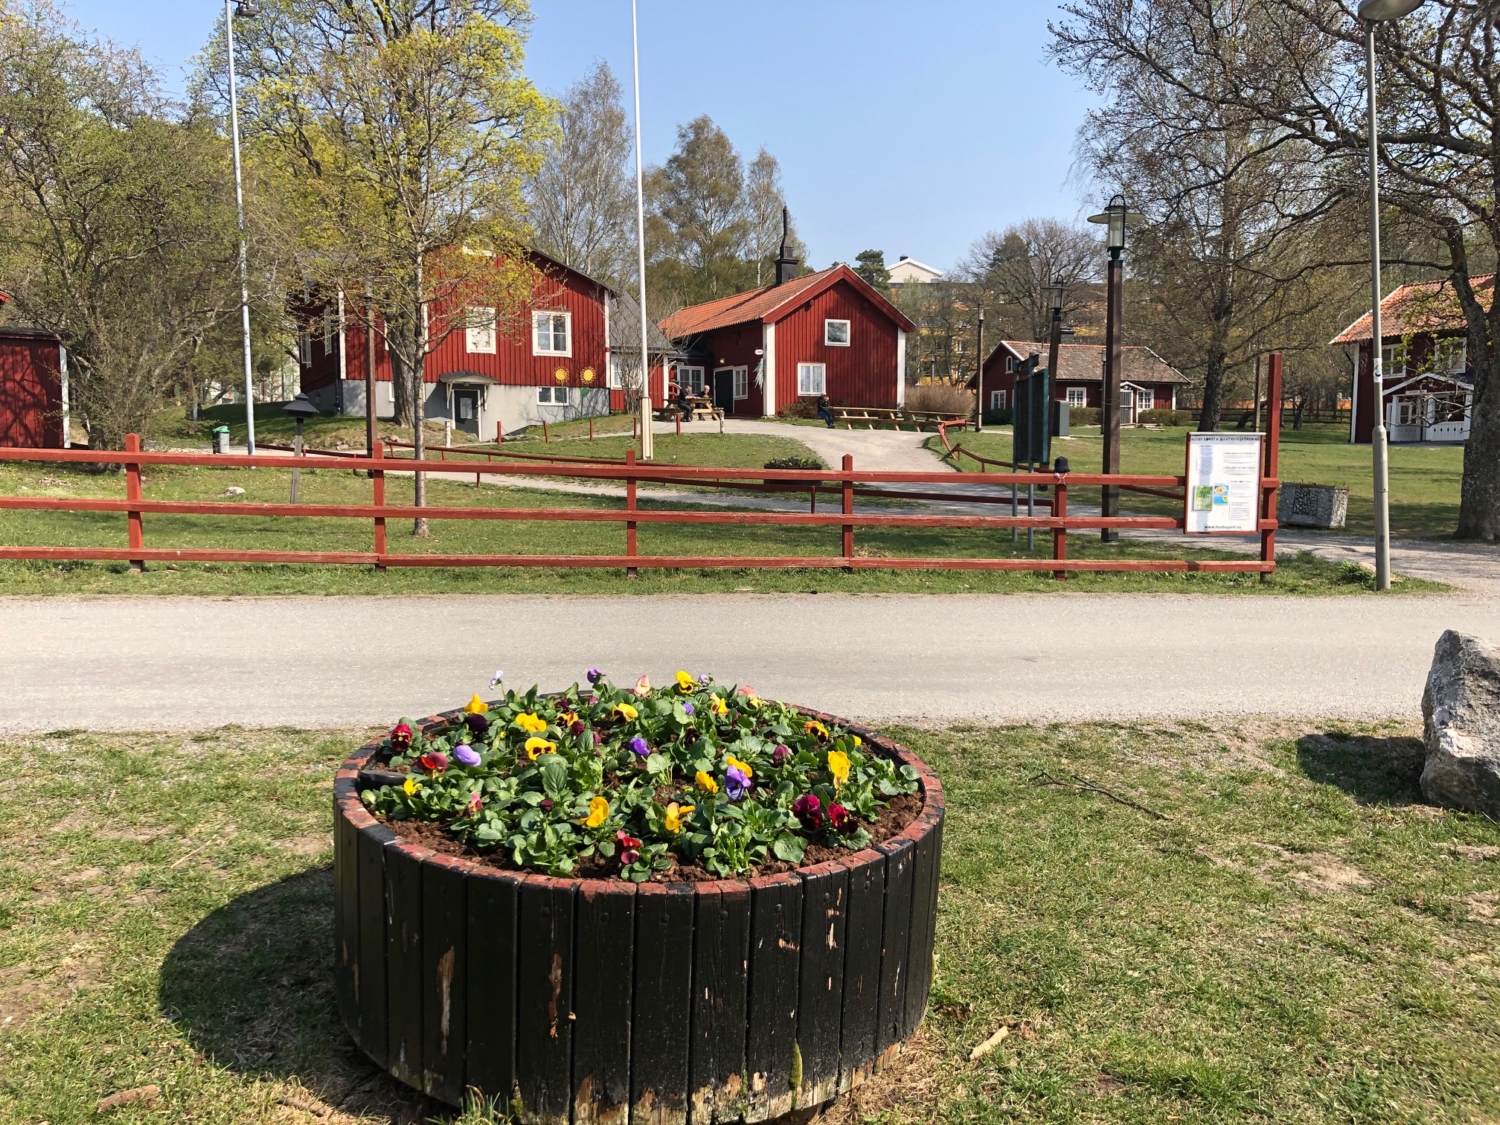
x=1301, y=940
x=1424, y=479
x=1304, y=575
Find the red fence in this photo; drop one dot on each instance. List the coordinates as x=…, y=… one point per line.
x=846, y=482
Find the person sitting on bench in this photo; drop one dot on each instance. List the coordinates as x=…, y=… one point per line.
x=825, y=410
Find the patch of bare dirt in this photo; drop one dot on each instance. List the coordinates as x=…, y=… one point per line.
x=1484, y=906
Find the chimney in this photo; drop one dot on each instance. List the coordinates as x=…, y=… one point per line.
x=786, y=267
x=1067, y=334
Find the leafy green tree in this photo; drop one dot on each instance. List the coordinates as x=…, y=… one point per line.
x=870, y=265
x=401, y=135
x=698, y=228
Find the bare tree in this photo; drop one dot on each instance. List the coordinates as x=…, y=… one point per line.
x=763, y=203
x=1009, y=271
x=583, y=199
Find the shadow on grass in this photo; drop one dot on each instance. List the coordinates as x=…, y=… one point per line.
x=1374, y=771
x=251, y=986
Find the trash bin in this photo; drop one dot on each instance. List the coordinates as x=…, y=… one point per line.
x=221, y=439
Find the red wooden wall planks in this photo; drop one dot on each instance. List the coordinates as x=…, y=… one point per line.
x=30, y=391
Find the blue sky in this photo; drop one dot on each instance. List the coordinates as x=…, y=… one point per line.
x=908, y=127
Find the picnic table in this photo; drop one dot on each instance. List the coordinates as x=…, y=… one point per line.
x=872, y=416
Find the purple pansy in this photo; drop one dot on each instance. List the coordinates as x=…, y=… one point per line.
x=736, y=784
x=687, y=708
x=465, y=755
x=638, y=746
x=477, y=724
x=594, y=675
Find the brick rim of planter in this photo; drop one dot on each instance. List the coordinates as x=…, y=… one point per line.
x=742, y=1104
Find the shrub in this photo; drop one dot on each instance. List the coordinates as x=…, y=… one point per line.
x=943, y=397
x=1084, y=416
x=793, y=463
x=998, y=417
x=1164, y=417
x=632, y=781
x=801, y=408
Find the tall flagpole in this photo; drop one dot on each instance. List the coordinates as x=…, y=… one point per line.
x=239, y=203
x=647, y=443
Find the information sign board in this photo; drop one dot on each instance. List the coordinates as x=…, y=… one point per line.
x=1223, y=483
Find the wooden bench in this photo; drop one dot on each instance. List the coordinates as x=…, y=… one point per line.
x=872, y=416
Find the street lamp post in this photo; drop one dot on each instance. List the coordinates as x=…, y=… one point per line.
x=244, y=9
x=1055, y=294
x=1116, y=218
x=979, y=376
x=648, y=443
x=1373, y=12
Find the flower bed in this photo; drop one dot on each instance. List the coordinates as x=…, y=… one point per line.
x=691, y=781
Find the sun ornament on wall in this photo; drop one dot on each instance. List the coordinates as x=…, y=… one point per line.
x=587, y=375
x=561, y=374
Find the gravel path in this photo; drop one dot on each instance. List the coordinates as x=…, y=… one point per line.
x=188, y=663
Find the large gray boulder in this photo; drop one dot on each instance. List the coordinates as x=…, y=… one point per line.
x=1461, y=725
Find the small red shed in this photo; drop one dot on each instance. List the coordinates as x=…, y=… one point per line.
x=31, y=403
x=827, y=333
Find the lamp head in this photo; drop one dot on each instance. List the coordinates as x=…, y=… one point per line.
x=1116, y=218
x=246, y=10
x=1054, y=298
x=1379, y=11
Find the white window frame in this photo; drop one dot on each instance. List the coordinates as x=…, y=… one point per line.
x=1077, y=396
x=806, y=373
x=1388, y=358
x=552, y=315
x=1137, y=392
x=479, y=336
x=829, y=330
x=614, y=379
x=547, y=396
x=690, y=379
x=997, y=400
x=741, y=383
x=1450, y=356
x=1010, y=365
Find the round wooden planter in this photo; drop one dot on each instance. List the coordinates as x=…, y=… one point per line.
x=585, y=1000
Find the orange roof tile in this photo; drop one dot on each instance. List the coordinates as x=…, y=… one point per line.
x=764, y=304
x=1424, y=306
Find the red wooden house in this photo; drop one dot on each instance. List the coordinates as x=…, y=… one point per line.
x=1429, y=377
x=828, y=333
x=31, y=403
x=556, y=368
x=1147, y=381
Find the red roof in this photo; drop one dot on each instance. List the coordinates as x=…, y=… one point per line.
x=772, y=303
x=1425, y=306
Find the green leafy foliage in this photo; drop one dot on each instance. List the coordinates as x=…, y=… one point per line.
x=631, y=781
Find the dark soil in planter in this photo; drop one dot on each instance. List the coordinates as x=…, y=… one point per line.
x=891, y=820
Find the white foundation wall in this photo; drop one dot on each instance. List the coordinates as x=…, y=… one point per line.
x=347, y=396
x=513, y=407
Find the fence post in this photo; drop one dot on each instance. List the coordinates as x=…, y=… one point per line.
x=591, y=427
x=630, y=571
x=1272, y=467
x=377, y=477
x=499, y=432
x=848, y=507
x=546, y=437
x=1060, y=532
x=133, y=492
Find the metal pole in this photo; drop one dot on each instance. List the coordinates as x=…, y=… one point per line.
x=67, y=417
x=979, y=377
x=1377, y=361
x=648, y=446
x=239, y=203
x=371, y=424
x=1111, y=420
x=1257, y=394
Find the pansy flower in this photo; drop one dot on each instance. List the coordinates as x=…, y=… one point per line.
x=401, y=737
x=687, y=683
x=717, y=705
x=531, y=722
x=813, y=727
x=736, y=783
x=476, y=706
x=535, y=747
x=638, y=746
x=735, y=763
x=626, y=712
x=434, y=761
x=593, y=675
x=838, y=765
x=780, y=754
x=411, y=786
x=706, y=783
x=687, y=709
x=838, y=817
x=477, y=724
x=642, y=687
x=809, y=810
x=474, y=804
x=576, y=729
x=465, y=755
x=675, y=815
x=497, y=677
x=630, y=849
x=598, y=812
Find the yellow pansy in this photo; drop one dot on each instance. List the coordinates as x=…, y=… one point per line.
x=476, y=706
x=686, y=683
x=706, y=783
x=743, y=767
x=718, y=706
x=598, y=812
x=411, y=786
x=538, y=746
x=531, y=722
x=858, y=742
x=676, y=814
x=626, y=712
x=812, y=726
x=568, y=717
x=838, y=765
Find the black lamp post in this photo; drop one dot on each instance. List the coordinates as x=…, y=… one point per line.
x=301, y=408
x=979, y=376
x=1055, y=294
x=1116, y=218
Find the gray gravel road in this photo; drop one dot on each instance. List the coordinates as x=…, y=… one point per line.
x=179, y=663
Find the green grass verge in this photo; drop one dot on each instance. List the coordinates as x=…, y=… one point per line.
x=1424, y=479
x=1303, y=575
x=1301, y=940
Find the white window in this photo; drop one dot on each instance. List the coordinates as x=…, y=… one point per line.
x=690, y=379
x=1010, y=365
x=1078, y=396
x=811, y=378
x=613, y=379
x=552, y=333
x=741, y=382
x=1393, y=361
x=997, y=400
x=958, y=347
x=1144, y=399
x=836, y=333
x=330, y=331
x=552, y=396
x=1450, y=357
x=480, y=335
x=304, y=348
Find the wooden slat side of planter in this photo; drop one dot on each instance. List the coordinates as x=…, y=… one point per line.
x=490, y=945
x=371, y=1032
x=820, y=1003
x=721, y=952
x=895, y=942
x=924, y=902
x=864, y=930
x=544, y=1008
x=662, y=1030
x=345, y=905
x=605, y=952
x=403, y=960
x=775, y=971
x=444, y=985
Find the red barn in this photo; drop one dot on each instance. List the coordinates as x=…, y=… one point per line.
x=31, y=403
x=828, y=333
x=1146, y=380
x=555, y=369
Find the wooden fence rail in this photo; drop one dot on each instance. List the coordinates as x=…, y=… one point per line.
x=845, y=481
